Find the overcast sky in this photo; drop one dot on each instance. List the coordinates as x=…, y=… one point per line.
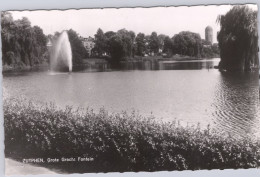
x=163, y=20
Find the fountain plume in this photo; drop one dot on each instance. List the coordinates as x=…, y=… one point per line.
x=61, y=57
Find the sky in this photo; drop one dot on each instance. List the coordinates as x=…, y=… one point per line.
x=163, y=20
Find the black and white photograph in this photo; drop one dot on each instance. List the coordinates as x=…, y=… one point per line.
x=100, y=90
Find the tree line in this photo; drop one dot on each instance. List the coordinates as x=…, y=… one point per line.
x=25, y=45
x=124, y=44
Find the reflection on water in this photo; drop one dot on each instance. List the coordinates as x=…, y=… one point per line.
x=189, y=91
x=237, y=103
x=170, y=65
x=150, y=65
x=92, y=67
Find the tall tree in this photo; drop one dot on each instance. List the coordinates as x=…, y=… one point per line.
x=140, y=44
x=116, y=49
x=154, y=43
x=7, y=36
x=41, y=40
x=168, y=46
x=127, y=37
x=78, y=50
x=161, y=38
x=100, y=42
x=22, y=43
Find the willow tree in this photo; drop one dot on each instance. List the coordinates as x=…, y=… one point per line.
x=238, y=39
x=22, y=44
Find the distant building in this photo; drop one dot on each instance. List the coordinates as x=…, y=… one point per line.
x=209, y=34
x=89, y=44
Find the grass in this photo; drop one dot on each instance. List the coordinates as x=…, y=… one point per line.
x=118, y=142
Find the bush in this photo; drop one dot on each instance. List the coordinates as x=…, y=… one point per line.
x=118, y=142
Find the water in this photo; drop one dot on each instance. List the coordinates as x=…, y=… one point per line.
x=191, y=92
x=61, y=55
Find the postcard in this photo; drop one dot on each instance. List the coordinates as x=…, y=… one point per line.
x=131, y=89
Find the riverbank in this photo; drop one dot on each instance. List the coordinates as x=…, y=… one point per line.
x=163, y=58
x=175, y=57
x=117, y=142
x=100, y=63
x=22, y=68
x=92, y=61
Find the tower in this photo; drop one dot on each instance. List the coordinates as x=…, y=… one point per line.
x=209, y=34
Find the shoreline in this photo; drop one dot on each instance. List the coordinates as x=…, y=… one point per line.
x=87, y=62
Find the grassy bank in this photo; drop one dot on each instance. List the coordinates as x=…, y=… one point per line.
x=22, y=67
x=117, y=142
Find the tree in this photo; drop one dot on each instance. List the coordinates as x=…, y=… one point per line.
x=187, y=43
x=7, y=36
x=147, y=42
x=215, y=49
x=132, y=35
x=78, y=50
x=238, y=39
x=154, y=43
x=168, y=46
x=109, y=34
x=161, y=38
x=41, y=40
x=140, y=44
x=127, y=37
x=22, y=43
x=116, y=49
x=100, y=42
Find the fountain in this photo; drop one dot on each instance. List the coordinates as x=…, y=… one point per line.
x=61, y=55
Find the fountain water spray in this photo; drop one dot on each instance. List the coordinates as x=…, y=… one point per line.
x=61, y=57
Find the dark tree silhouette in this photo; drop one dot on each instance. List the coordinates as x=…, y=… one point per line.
x=187, y=43
x=140, y=44
x=22, y=44
x=238, y=39
x=78, y=50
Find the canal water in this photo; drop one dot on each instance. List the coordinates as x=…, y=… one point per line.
x=190, y=92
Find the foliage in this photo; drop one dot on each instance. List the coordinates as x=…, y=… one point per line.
x=119, y=142
x=161, y=39
x=118, y=45
x=238, y=39
x=127, y=38
x=100, y=42
x=116, y=48
x=140, y=44
x=154, y=43
x=208, y=50
x=168, y=46
x=22, y=44
x=123, y=44
x=187, y=43
x=78, y=50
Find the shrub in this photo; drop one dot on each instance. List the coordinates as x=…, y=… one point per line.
x=118, y=142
